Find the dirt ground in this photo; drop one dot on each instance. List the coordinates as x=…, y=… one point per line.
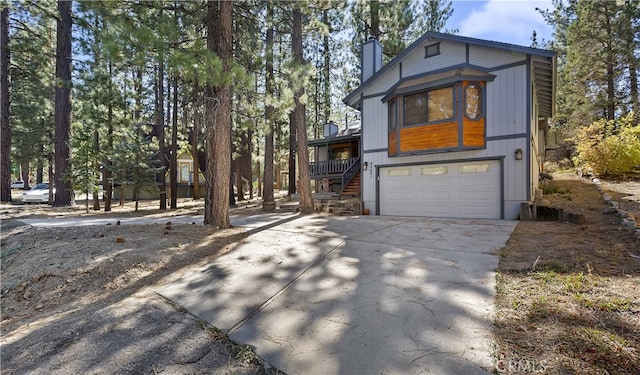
x=82, y=300
x=568, y=295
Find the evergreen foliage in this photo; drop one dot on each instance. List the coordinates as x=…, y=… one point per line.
x=134, y=165
x=32, y=46
x=126, y=52
x=84, y=176
x=598, y=44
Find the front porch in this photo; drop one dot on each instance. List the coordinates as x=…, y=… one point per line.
x=345, y=172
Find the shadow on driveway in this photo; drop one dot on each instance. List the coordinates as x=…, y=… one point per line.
x=330, y=295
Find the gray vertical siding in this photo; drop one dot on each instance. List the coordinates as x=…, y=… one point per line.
x=506, y=102
x=374, y=118
x=484, y=56
x=385, y=82
x=450, y=54
x=508, y=119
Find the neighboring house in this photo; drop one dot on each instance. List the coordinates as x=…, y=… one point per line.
x=453, y=126
x=336, y=165
x=185, y=182
x=185, y=176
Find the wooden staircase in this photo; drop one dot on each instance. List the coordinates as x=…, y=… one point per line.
x=353, y=187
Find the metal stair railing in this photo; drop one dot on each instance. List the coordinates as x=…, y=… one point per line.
x=352, y=170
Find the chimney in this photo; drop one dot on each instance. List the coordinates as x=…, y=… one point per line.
x=371, y=59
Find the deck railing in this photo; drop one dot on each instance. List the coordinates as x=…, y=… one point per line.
x=332, y=167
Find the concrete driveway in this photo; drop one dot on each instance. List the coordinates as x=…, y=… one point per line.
x=357, y=295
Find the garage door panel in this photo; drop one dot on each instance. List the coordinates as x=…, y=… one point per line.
x=482, y=196
x=434, y=195
x=474, y=210
x=403, y=209
x=469, y=189
x=435, y=210
x=474, y=184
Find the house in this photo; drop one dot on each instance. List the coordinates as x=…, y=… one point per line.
x=453, y=126
x=336, y=165
x=184, y=176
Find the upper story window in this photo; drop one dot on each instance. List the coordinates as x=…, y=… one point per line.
x=341, y=153
x=473, y=101
x=428, y=106
x=392, y=115
x=432, y=50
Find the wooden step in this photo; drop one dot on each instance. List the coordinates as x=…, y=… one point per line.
x=352, y=188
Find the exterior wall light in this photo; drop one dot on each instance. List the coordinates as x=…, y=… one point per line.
x=365, y=165
x=518, y=154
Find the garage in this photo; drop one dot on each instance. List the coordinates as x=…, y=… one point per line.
x=466, y=189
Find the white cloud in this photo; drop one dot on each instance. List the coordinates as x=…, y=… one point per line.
x=509, y=21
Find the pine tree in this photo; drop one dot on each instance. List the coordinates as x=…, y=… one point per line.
x=596, y=42
x=432, y=15
x=5, y=125
x=63, y=196
x=134, y=164
x=218, y=107
x=630, y=35
x=268, y=199
x=84, y=176
x=298, y=115
x=32, y=63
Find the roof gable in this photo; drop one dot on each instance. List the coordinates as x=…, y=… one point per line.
x=448, y=76
x=353, y=98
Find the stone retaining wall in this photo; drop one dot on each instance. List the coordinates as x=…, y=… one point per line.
x=627, y=219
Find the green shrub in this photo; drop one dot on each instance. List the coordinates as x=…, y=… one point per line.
x=609, y=147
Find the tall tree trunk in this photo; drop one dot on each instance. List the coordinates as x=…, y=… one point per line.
x=239, y=187
x=108, y=173
x=326, y=72
x=631, y=61
x=160, y=133
x=173, y=177
x=5, y=124
x=25, y=171
x=611, y=61
x=298, y=118
x=63, y=105
x=292, y=155
x=374, y=7
x=249, y=152
x=39, y=164
x=292, y=132
x=244, y=165
x=96, y=169
x=197, y=118
x=218, y=99
x=268, y=200
x=259, y=177
x=232, y=196
x=51, y=176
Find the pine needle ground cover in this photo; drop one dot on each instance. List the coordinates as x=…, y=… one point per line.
x=568, y=296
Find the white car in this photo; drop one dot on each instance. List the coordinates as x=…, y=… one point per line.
x=37, y=194
x=17, y=185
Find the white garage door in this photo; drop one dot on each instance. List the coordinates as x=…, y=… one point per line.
x=469, y=189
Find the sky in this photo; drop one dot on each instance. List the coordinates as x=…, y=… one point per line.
x=508, y=21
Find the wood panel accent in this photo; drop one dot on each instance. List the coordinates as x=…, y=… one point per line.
x=340, y=145
x=393, y=143
x=418, y=138
x=473, y=132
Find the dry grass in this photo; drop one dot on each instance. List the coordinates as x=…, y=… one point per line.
x=568, y=298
